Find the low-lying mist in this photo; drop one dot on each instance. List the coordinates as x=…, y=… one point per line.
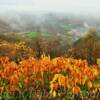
x=51, y=22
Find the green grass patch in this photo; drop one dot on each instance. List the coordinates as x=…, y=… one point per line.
x=33, y=34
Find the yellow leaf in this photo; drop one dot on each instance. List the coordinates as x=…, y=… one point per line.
x=54, y=93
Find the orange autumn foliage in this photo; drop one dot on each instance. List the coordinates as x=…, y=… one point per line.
x=30, y=73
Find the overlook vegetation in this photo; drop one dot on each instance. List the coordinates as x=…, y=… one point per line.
x=49, y=49
x=59, y=67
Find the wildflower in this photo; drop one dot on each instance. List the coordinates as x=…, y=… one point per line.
x=98, y=61
x=76, y=90
x=95, y=72
x=54, y=93
x=95, y=90
x=88, y=84
x=55, y=85
x=1, y=74
x=63, y=80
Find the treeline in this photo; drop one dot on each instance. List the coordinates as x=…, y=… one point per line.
x=87, y=47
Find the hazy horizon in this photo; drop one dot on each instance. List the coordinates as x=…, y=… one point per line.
x=49, y=15
x=63, y=6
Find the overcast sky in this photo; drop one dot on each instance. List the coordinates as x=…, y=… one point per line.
x=74, y=6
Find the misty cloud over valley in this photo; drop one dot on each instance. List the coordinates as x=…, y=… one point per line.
x=50, y=16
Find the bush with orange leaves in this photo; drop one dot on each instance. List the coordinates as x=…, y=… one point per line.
x=56, y=77
x=15, y=51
